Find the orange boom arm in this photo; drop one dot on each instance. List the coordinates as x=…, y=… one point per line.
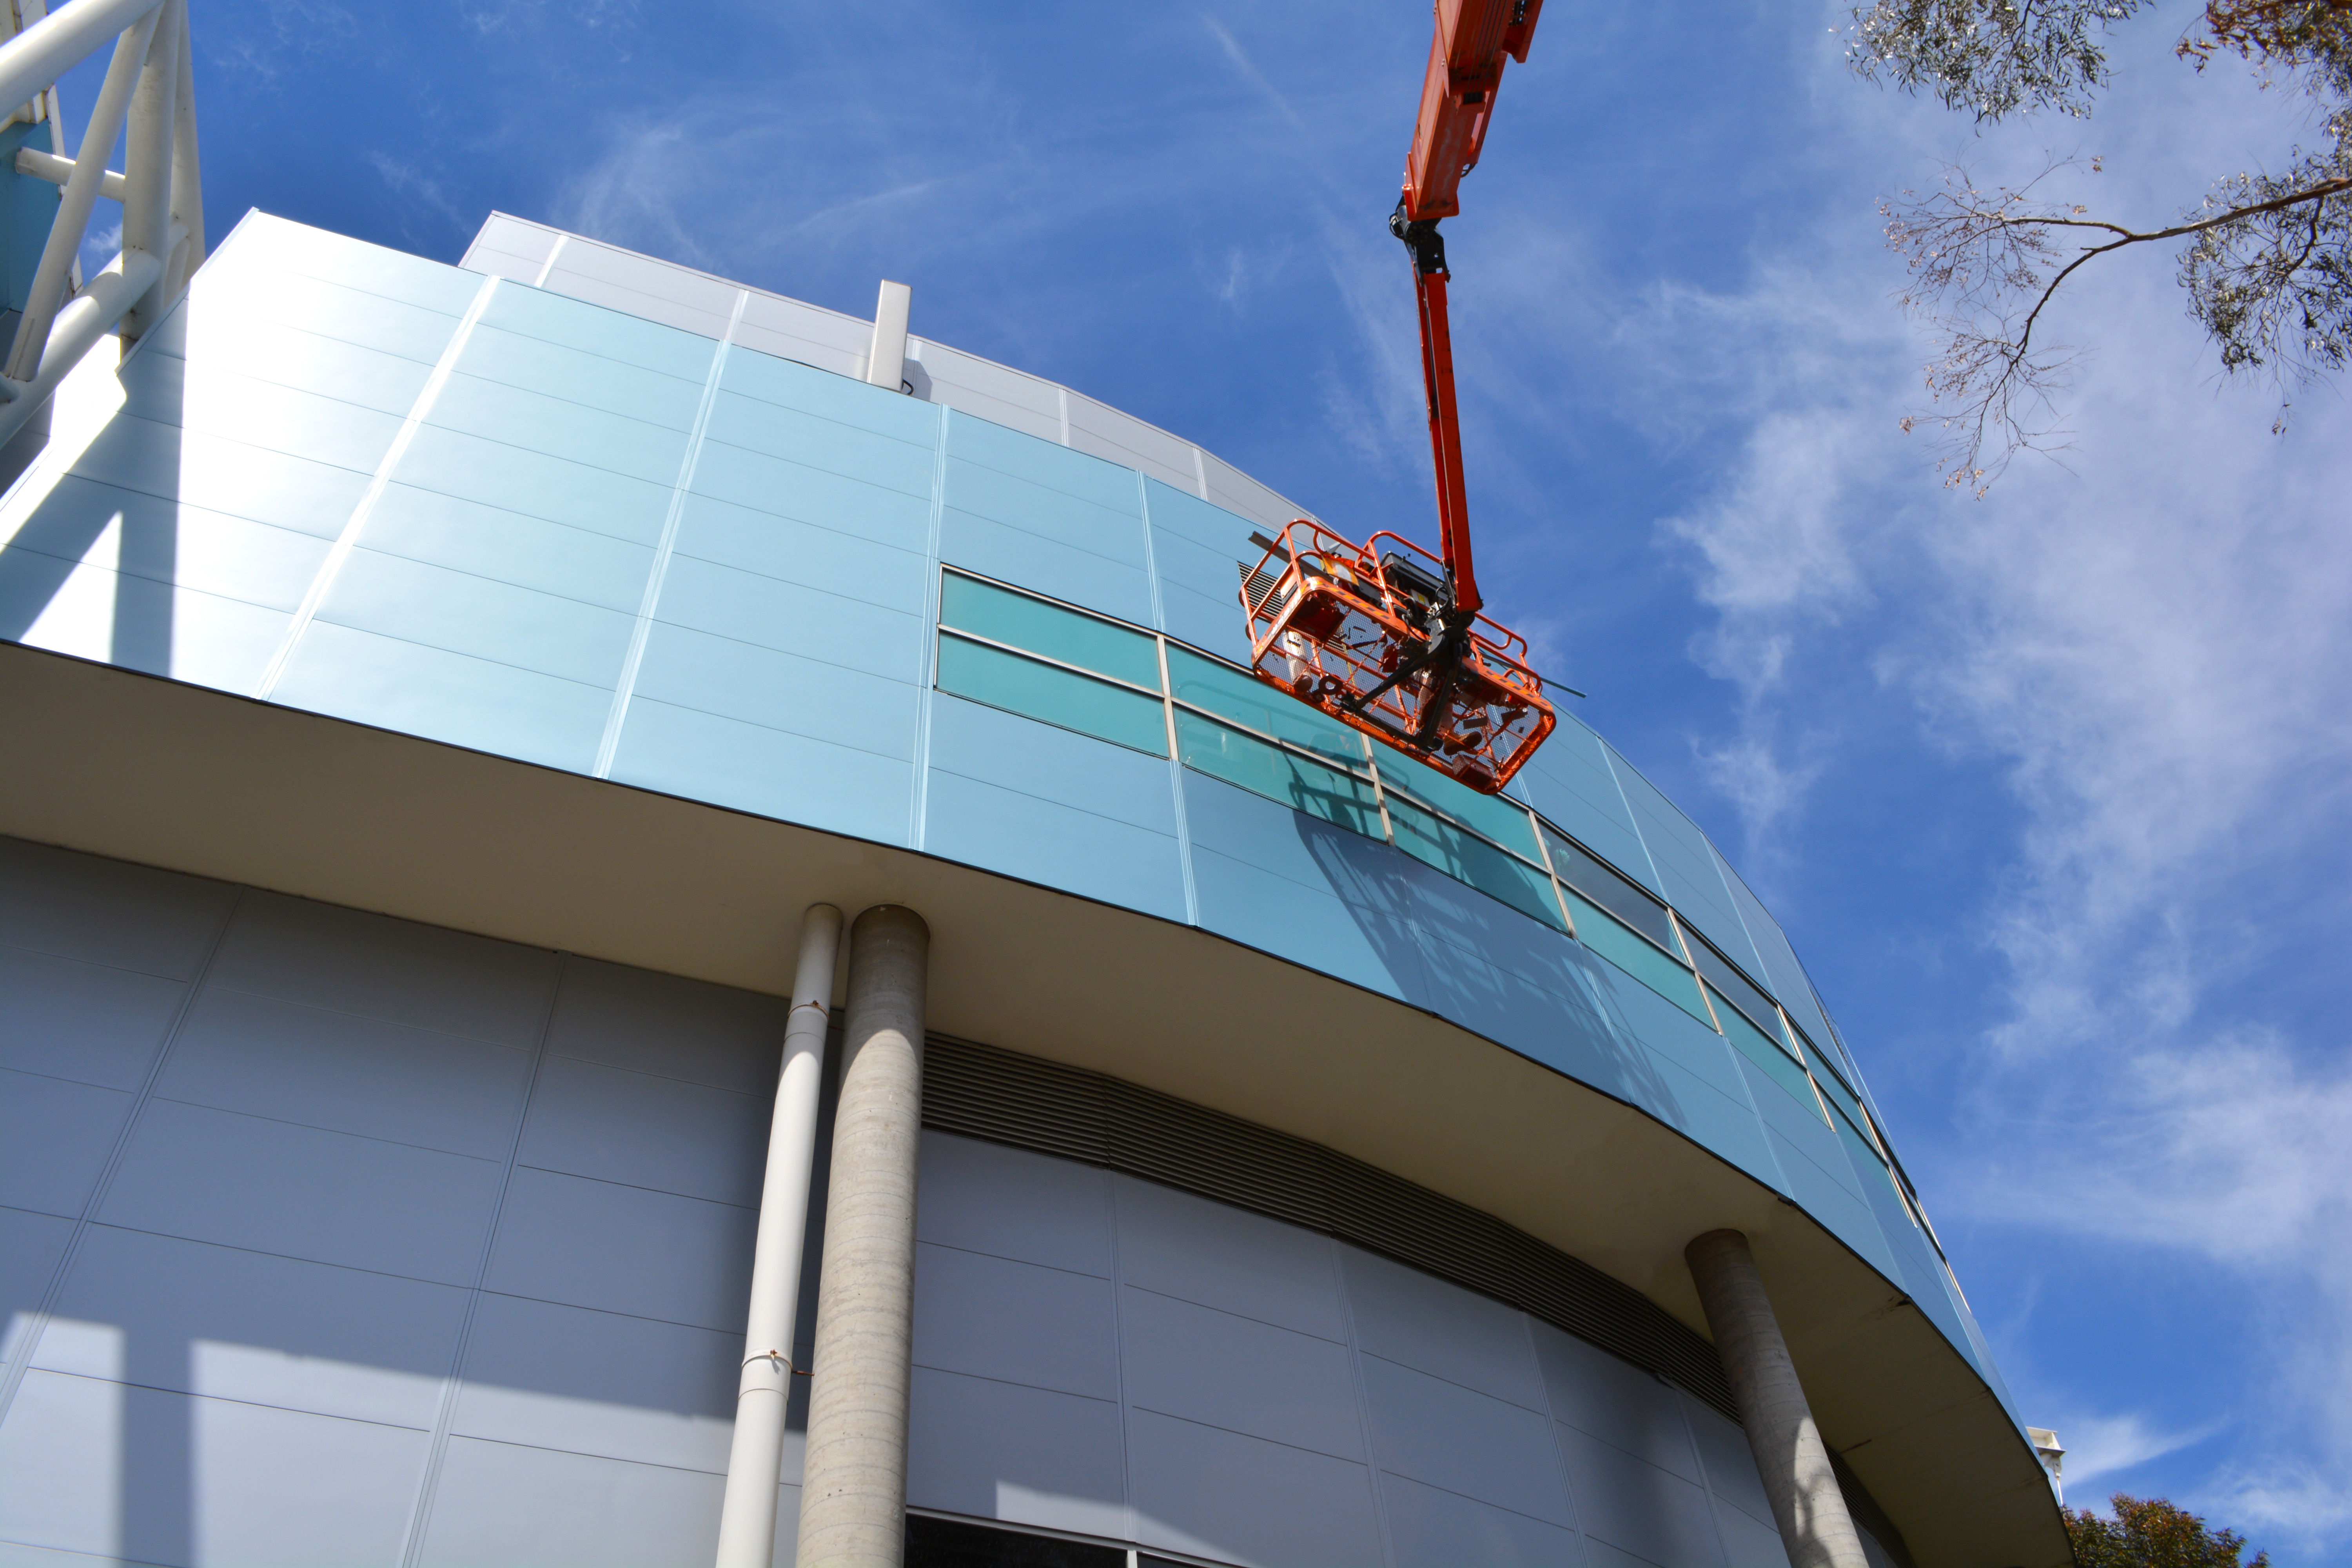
x=1386, y=637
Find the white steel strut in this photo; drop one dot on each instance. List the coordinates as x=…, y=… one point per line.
x=150, y=84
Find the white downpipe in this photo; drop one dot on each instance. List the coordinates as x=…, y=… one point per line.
x=80, y=193
x=147, y=161
x=885, y=362
x=88, y=317
x=747, y=1517
x=35, y=57
x=57, y=170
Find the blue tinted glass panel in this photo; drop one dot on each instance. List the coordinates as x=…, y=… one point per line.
x=1277, y=774
x=1761, y=1049
x=1622, y=946
x=1240, y=695
x=1831, y=1086
x=1500, y=818
x=1730, y=982
x=1617, y=894
x=1435, y=841
x=1866, y=1158
x=1001, y=615
x=1041, y=691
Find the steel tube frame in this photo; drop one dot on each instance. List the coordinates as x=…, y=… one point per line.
x=81, y=194
x=147, y=161
x=57, y=170
x=35, y=57
x=150, y=83
x=747, y=1515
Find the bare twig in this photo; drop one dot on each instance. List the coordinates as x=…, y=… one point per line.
x=1986, y=265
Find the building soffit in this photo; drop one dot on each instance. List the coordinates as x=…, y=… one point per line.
x=143, y=769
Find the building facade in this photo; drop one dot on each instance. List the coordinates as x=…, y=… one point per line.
x=436, y=696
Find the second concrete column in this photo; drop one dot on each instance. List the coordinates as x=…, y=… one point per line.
x=854, y=1482
x=1790, y=1458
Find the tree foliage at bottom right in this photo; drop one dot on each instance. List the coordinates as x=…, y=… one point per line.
x=2149, y=1532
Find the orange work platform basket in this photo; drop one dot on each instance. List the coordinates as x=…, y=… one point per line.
x=1364, y=633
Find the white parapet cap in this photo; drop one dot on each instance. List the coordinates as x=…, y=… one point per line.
x=697, y=302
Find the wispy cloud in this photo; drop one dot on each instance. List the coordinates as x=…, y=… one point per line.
x=2151, y=649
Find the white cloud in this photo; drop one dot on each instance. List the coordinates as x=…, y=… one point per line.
x=2102, y=1446
x=2151, y=645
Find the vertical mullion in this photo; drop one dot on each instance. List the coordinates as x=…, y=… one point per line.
x=1176, y=784
x=1559, y=893
x=1380, y=791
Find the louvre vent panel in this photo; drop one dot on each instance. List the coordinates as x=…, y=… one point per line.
x=982, y=1091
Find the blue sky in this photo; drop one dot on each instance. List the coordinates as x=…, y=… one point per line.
x=2050, y=789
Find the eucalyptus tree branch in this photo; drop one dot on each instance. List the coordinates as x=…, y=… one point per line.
x=1986, y=265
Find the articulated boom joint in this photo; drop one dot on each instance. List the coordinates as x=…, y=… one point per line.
x=1422, y=239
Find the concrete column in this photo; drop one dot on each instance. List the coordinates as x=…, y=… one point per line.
x=1790, y=1455
x=747, y=1517
x=854, y=1481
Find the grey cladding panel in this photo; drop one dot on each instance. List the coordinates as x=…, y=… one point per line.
x=53, y=1139
x=675, y=1028
x=1749, y=1544
x=1218, y=1256
x=1016, y=1322
x=625, y=1250
x=1419, y=1321
x=299, y=1192
x=1730, y=1463
x=107, y=912
x=998, y=1450
x=85, y=1022
x=1633, y=1504
x=274, y=1331
x=1029, y=1103
x=1617, y=1402
x=238, y=1051
x=588, y=1120
x=128, y=1474
x=31, y=1245
x=531, y=1507
x=1236, y=1373
x=1447, y=1435
x=985, y=1198
x=599, y=1383
x=421, y=976
x=1233, y=1498
x=1436, y=1529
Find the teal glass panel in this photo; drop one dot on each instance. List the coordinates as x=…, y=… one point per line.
x=1238, y=695
x=1865, y=1158
x=1617, y=894
x=1001, y=615
x=1832, y=1086
x=1465, y=858
x=1278, y=775
x=1730, y=982
x=1766, y=1053
x=1499, y=818
x=1058, y=696
x=1622, y=946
